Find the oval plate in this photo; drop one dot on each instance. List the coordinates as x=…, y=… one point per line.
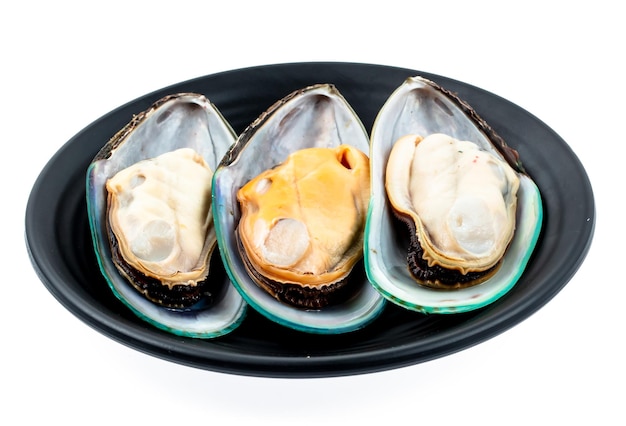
x=59, y=240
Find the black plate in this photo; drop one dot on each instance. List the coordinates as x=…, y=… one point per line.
x=58, y=238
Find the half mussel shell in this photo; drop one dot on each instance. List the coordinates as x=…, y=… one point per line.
x=421, y=107
x=316, y=116
x=182, y=120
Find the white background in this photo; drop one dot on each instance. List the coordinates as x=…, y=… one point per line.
x=66, y=64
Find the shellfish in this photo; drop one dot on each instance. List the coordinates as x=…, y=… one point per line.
x=149, y=208
x=474, y=214
x=265, y=241
x=302, y=223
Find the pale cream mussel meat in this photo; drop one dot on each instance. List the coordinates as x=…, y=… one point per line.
x=290, y=200
x=460, y=205
x=161, y=229
x=149, y=202
x=474, y=215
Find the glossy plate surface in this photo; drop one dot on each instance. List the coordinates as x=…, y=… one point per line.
x=59, y=241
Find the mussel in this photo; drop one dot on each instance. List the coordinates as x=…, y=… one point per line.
x=473, y=214
x=290, y=201
x=149, y=207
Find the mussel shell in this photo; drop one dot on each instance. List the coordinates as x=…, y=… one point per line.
x=420, y=106
x=175, y=121
x=315, y=116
